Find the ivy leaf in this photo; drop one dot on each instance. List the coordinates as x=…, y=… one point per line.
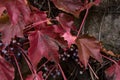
x=88, y=46
x=41, y=46
x=1, y=10
x=74, y=6
x=10, y=31
x=6, y=70
x=15, y=9
x=37, y=17
x=69, y=38
x=35, y=77
x=66, y=21
x=66, y=25
x=113, y=72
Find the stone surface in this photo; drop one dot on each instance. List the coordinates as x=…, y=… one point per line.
x=103, y=22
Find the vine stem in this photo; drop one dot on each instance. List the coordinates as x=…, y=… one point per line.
x=83, y=21
x=27, y=60
x=117, y=65
x=43, y=65
x=18, y=67
x=93, y=72
x=50, y=72
x=110, y=59
x=62, y=72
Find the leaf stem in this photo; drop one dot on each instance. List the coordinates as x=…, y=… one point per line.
x=62, y=72
x=93, y=72
x=50, y=72
x=18, y=67
x=110, y=59
x=43, y=65
x=27, y=60
x=83, y=21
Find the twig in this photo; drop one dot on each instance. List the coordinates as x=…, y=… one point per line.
x=49, y=8
x=83, y=22
x=72, y=72
x=43, y=64
x=93, y=72
x=100, y=28
x=50, y=72
x=62, y=72
x=18, y=67
x=27, y=60
x=110, y=59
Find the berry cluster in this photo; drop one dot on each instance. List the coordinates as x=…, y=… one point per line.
x=11, y=51
x=71, y=53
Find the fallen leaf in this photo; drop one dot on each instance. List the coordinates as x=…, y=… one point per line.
x=88, y=46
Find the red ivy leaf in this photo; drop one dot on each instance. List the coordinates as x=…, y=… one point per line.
x=41, y=46
x=69, y=38
x=113, y=72
x=1, y=10
x=88, y=46
x=10, y=31
x=35, y=77
x=6, y=70
x=74, y=6
x=66, y=21
x=38, y=17
x=66, y=25
x=15, y=8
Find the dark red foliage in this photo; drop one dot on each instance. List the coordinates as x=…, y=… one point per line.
x=6, y=70
x=35, y=77
x=113, y=72
x=15, y=8
x=12, y=30
x=45, y=37
x=41, y=46
x=74, y=6
x=88, y=46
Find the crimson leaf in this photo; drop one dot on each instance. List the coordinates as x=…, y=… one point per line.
x=74, y=6
x=41, y=46
x=15, y=8
x=113, y=72
x=88, y=46
x=6, y=70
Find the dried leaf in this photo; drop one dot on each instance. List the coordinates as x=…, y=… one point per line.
x=88, y=46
